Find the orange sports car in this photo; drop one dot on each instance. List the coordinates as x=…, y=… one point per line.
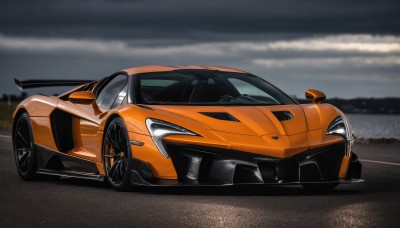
x=192, y=125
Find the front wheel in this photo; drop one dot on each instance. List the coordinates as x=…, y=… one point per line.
x=24, y=148
x=117, y=155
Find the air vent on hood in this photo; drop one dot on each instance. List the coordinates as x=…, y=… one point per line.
x=220, y=116
x=283, y=115
x=144, y=107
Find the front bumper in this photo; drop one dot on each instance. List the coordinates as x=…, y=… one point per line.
x=196, y=165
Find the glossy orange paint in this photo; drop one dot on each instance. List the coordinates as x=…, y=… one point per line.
x=315, y=96
x=158, y=68
x=42, y=131
x=82, y=97
x=258, y=131
x=344, y=166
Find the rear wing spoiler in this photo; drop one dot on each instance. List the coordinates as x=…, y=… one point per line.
x=29, y=84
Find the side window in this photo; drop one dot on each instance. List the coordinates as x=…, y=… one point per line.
x=111, y=91
x=121, y=98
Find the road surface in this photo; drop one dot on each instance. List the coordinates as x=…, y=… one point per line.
x=78, y=203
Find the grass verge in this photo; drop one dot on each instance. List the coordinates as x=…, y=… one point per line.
x=6, y=111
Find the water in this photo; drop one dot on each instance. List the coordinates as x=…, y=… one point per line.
x=375, y=126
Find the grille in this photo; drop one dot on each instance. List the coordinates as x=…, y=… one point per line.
x=206, y=165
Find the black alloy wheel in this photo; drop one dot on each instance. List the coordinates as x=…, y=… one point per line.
x=24, y=148
x=117, y=154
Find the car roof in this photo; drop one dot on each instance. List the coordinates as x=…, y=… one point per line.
x=160, y=68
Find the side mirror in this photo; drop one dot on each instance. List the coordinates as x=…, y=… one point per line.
x=82, y=97
x=85, y=97
x=315, y=96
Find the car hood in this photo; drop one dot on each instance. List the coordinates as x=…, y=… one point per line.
x=246, y=120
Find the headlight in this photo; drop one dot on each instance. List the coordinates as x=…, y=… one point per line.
x=341, y=126
x=158, y=129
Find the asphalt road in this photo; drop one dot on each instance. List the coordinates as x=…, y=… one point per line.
x=73, y=203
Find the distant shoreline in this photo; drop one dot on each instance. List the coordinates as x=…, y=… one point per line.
x=377, y=141
x=378, y=114
x=364, y=105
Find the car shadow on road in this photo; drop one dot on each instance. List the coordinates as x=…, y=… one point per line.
x=78, y=182
x=244, y=190
x=256, y=190
x=374, y=184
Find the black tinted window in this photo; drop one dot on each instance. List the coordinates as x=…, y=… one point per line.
x=207, y=88
x=121, y=98
x=109, y=93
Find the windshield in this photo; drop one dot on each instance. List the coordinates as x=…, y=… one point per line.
x=206, y=87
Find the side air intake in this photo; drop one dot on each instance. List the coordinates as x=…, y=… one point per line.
x=61, y=125
x=283, y=115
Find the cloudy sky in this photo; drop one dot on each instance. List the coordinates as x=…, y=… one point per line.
x=346, y=48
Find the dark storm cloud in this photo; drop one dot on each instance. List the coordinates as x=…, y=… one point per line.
x=205, y=20
x=353, y=63
x=347, y=48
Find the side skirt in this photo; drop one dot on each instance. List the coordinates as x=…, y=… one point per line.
x=71, y=174
x=50, y=162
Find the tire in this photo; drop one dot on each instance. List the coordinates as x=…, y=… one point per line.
x=320, y=187
x=24, y=148
x=116, y=155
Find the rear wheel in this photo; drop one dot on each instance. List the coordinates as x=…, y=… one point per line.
x=116, y=155
x=320, y=187
x=24, y=148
